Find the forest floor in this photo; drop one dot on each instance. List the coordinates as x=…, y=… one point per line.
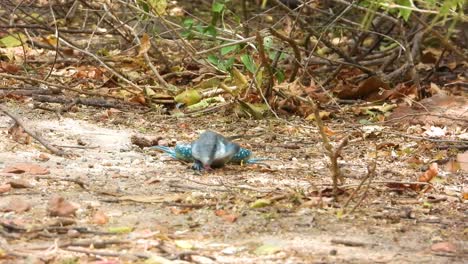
x=119, y=203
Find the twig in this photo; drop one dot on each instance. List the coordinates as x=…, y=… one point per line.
x=51, y=148
x=74, y=180
x=332, y=154
x=105, y=253
x=297, y=53
x=348, y=243
x=369, y=177
x=266, y=65
x=105, y=65
x=97, y=102
x=51, y=84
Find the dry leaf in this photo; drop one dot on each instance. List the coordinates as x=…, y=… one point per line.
x=145, y=44
x=43, y=157
x=20, y=183
x=229, y=218
x=430, y=173
x=444, y=247
x=8, y=67
x=57, y=206
x=5, y=188
x=178, y=211
x=17, y=205
x=100, y=218
x=27, y=168
x=18, y=134
x=220, y=212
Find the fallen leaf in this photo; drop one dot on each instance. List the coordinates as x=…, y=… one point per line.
x=444, y=247
x=430, y=173
x=328, y=131
x=57, y=206
x=43, y=157
x=367, y=89
x=153, y=180
x=20, y=183
x=5, y=188
x=220, y=212
x=27, y=168
x=324, y=115
x=120, y=229
x=183, y=244
x=462, y=159
x=100, y=218
x=138, y=99
x=19, y=135
x=17, y=205
x=177, y=211
x=266, y=250
x=230, y=218
x=435, y=132
x=260, y=203
x=188, y=97
x=158, y=260
x=145, y=44
x=8, y=67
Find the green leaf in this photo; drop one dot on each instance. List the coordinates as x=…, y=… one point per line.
x=229, y=49
x=188, y=23
x=120, y=229
x=260, y=203
x=205, y=103
x=403, y=12
x=213, y=59
x=227, y=64
x=210, y=31
x=217, y=7
x=188, y=97
x=267, y=249
x=13, y=40
x=159, y=6
x=249, y=63
x=280, y=76
x=240, y=80
x=268, y=42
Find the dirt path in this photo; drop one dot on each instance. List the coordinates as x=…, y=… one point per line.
x=172, y=211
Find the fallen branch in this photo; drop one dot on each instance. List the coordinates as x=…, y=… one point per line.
x=48, y=146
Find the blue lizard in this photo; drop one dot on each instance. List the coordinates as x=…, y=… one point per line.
x=211, y=150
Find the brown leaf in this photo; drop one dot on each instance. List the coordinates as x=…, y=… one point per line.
x=178, y=211
x=8, y=67
x=18, y=134
x=138, y=99
x=444, y=247
x=27, y=168
x=145, y=44
x=462, y=159
x=229, y=218
x=43, y=157
x=100, y=218
x=220, y=212
x=364, y=90
x=20, y=183
x=153, y=180
x=430, y=173
x=5, y=188
x=328, y=131
x=57, y=206
x=17, y=205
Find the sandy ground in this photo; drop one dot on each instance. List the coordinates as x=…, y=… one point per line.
x=209, y=215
